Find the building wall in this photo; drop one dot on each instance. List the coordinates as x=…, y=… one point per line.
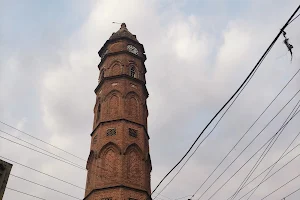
x=119, y=163
x=5, y=169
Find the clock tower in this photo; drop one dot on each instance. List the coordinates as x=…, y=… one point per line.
x=119, y=163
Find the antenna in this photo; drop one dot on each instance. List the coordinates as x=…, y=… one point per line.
x=116, y=23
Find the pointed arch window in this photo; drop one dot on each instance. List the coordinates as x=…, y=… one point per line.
x=132, y=71
x=101, y=76
x=98, y=111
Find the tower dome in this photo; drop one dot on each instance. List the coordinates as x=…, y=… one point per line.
x=123, y=32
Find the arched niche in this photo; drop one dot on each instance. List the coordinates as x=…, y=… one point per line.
x=134, y=165
x=109, y=160
x=115, y=68
x=113, y=101
x=133, y=105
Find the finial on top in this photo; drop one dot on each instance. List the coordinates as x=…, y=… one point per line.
x=123, y=25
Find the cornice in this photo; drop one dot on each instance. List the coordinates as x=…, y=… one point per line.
x=118, y=186
x=143, y=83
x=143, y=59
x=121, y=119
x=118, y=39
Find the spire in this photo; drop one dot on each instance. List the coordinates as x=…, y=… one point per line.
x=123, y=25
x=123, y=32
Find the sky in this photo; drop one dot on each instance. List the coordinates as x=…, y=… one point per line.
x=198, y=53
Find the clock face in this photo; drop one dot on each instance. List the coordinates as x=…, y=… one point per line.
x=132, y=49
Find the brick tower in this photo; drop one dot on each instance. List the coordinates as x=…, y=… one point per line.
x=119, y=163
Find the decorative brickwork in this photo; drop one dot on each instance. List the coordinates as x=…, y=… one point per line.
x=119, y=163
x=116, y=69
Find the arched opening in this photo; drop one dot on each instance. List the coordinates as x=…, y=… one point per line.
x=134, y=165
x=101, y=75
x=116, y=69
x=132, y=71
x=98, y=111
x=132, y=107
x=109, y=161
x=90, y=167
x=114, y=105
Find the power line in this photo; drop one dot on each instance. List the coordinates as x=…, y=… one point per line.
x=236, y=92
x=250, y=159
x=268, y=176
x=57, y=157
x=250, y=143
x=42, y=140
x=60, y=158
x=247, y=131
x=25, y=193
x=291, y=194
x=183, y=197
x=35, y=183
x=41, y=152
x=269, y=168
x=42, y=172
x=294, y=18
x=39, y=148
x=281, y=186
x=263, y=181
x=238, y=169
x=165, y=196
x=267, y=150
x=256, y=164
x=276, y=162
x=203, y=139
x=52, y=156
x=208, y=133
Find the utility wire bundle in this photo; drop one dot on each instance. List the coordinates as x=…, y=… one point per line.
x=230, y=102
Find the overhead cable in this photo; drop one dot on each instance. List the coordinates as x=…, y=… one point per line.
x=235, y=93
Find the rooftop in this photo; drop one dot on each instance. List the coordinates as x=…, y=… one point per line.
x=123, y=32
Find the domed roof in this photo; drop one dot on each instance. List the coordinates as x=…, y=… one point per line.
x=123, y=32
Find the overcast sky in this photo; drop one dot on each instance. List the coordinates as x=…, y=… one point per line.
x=198, y=53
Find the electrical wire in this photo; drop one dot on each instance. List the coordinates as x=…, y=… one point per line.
x=47, y=150
x=269, y=105
x=294, y=19
x=165, y=196
x=269, y=168
x=256, y=164
x=291, y=194
x=42, y=140
x=51, y=156
x=250, y=158
x=39, y=148
x=60, y=158
x=275, y=163
x=281, y=186
x=250, y=143
x=268, y=176
x=35, y=183
x=204, y=139
x=183, y=197
x=295, y=109
x=208, y=133
x=236, y=92
x=42, y=172
x=24, y=193
x=41, y=152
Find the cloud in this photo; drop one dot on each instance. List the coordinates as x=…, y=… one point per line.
x=192, y=69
